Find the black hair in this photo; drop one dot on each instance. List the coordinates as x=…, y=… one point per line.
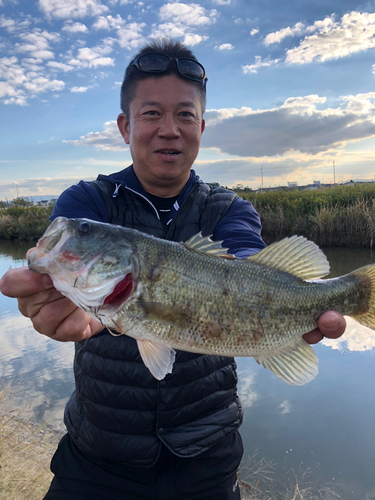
x=133, y=75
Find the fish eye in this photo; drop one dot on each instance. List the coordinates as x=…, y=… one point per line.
x=84, y=227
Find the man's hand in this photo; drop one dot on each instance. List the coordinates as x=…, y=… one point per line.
x=51, y=313
x=331, y=324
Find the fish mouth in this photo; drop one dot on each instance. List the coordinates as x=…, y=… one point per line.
x=122, y=291
x=49, y=246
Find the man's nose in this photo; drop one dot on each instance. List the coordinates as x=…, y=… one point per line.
x=169, y=127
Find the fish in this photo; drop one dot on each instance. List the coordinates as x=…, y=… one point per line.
x=195, y=296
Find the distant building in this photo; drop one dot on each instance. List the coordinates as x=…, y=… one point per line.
x=292, y=184
x=316, y=183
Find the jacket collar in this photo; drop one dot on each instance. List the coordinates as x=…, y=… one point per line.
x=127, y=179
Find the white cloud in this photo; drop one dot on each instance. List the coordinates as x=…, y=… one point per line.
x=192, y=39
x=280, y=35
x=169, y=30
x=19, y=83
x=109, y=23
x=254, y=31
x=80, y=89
x=181, y=21
x=68, y=9
x=37, y=43
x=71, y=27
x=59, y=66
x=188, y=14
x=253, y=68
x=42, y=84
x=92, y=57
x=221, y=2
x=226, y=46
x=357, y=338
x=297, y=125
x=13, y=26
x=109, y=139
x=355, y=32
x=130, y=36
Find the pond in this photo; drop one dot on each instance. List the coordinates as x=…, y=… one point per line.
x=323, y=433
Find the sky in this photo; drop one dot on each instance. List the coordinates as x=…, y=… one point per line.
x=290, y=93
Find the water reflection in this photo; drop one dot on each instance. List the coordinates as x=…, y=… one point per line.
x=326, y=426
x=39, y=369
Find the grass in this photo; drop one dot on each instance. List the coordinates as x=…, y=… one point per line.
x=25, y=454
x=336, y=216
x=24, y=221
x=261, y=482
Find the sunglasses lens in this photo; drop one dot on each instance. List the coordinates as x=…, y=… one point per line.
x=153, y=62
x=190, y=69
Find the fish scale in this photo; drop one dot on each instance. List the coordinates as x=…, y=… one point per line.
x=196, y=297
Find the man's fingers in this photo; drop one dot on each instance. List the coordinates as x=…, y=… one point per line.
x=29, y=252
x=51, y=315
x=332, y=324
x=313, y=337
x=31, y=305
x=21, y=282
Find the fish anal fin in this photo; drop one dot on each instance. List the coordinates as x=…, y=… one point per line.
x=295, y=255
x=158, y=358
x=206, y=246
x=296, y=365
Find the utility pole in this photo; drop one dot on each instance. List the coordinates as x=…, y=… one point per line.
x=17, y=189
x=261, y=170
x=334, y=174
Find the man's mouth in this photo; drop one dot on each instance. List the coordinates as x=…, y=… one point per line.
x=171, y=152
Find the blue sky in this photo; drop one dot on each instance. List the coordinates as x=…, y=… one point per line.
x=290, y=90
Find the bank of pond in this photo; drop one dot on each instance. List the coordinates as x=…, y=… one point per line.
x=341, y=215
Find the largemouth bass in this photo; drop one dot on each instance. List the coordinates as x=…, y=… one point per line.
x=196, y=297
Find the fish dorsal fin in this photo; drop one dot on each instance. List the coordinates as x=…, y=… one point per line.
x=297, y=364
x=158, y=358
x=295, y=255
x=206, y=246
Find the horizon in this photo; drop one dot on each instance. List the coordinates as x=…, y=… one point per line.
x=289, y=96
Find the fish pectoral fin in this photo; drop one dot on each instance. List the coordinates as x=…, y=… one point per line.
x=158, y=358
x=296, y=365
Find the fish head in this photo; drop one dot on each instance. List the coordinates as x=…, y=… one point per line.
x=92, y=263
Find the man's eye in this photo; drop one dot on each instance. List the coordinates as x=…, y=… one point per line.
x=151, y=113
x=187, y=114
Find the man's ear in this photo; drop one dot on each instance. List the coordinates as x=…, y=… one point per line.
x=203, y=126
x=124, y=127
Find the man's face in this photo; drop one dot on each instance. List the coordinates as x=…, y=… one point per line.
x=164, y=131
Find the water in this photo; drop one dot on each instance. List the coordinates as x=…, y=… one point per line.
x=326, y=427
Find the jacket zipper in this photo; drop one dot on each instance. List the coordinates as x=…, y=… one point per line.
x=174, y=218
x=144, y=197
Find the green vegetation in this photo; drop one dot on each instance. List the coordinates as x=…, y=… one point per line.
x=329, y=216
x=23, y=220
x=332, y=216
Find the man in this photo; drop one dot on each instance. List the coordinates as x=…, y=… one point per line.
x=129, y=435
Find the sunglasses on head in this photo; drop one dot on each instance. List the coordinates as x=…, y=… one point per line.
x=155, y=62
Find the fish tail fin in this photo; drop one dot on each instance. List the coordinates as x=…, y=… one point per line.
x=366, y=313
